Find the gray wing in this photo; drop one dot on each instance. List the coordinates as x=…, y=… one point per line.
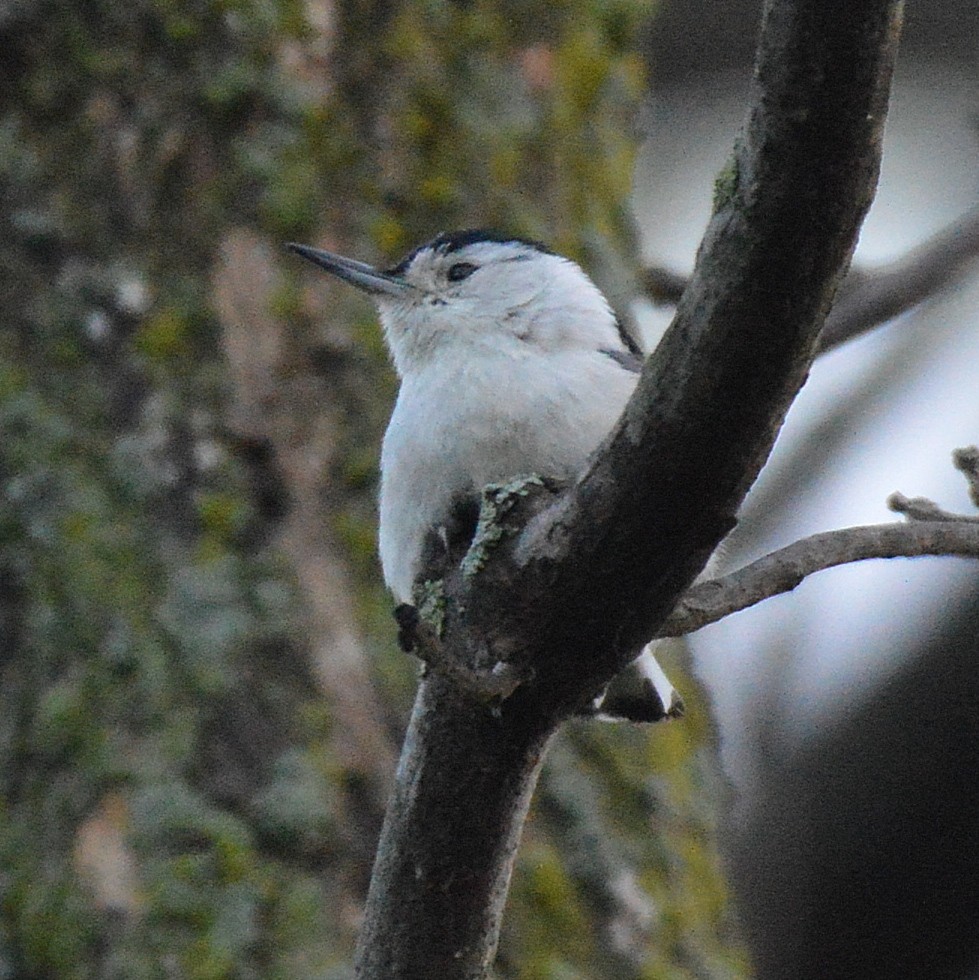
x=626, y=358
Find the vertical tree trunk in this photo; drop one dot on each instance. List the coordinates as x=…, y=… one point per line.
x=443, y=864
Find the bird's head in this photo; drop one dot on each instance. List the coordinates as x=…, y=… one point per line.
x=474, y=290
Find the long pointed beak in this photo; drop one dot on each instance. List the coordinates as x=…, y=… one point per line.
x=358, y=274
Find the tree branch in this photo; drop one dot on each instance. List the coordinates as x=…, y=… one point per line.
x=783, y=570
x=930, y=531
x=641, y=524
x=923, y=509
x=597, y=570
x=869, y=298
x=661, y=286
x=876, y=297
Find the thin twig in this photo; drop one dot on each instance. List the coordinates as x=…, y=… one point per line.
x=882, y=295
x=966, y=461
x=869, y=298
x=782, y=570
x=923, y=509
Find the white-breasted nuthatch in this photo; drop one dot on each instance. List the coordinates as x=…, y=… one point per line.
x=511, y=363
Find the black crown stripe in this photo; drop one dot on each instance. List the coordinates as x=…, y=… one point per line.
x=453, y=241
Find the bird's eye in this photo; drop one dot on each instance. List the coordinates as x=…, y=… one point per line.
x=460, y=271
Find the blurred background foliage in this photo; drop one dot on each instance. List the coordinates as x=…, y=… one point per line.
x=201, y=695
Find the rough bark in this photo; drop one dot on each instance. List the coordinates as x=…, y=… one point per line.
x=447, y=848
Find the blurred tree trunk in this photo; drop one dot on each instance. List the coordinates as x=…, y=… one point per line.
x=201, y=694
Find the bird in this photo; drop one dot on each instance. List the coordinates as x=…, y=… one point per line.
x=511, y=362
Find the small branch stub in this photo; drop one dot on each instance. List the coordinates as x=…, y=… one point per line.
x=923, y=509
x=966, y=461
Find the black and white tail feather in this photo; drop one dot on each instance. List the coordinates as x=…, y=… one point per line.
x=642, y=692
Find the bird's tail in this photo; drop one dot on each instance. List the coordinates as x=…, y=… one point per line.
x=642, y=692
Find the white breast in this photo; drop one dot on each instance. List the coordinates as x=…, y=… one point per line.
x=482, y=420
